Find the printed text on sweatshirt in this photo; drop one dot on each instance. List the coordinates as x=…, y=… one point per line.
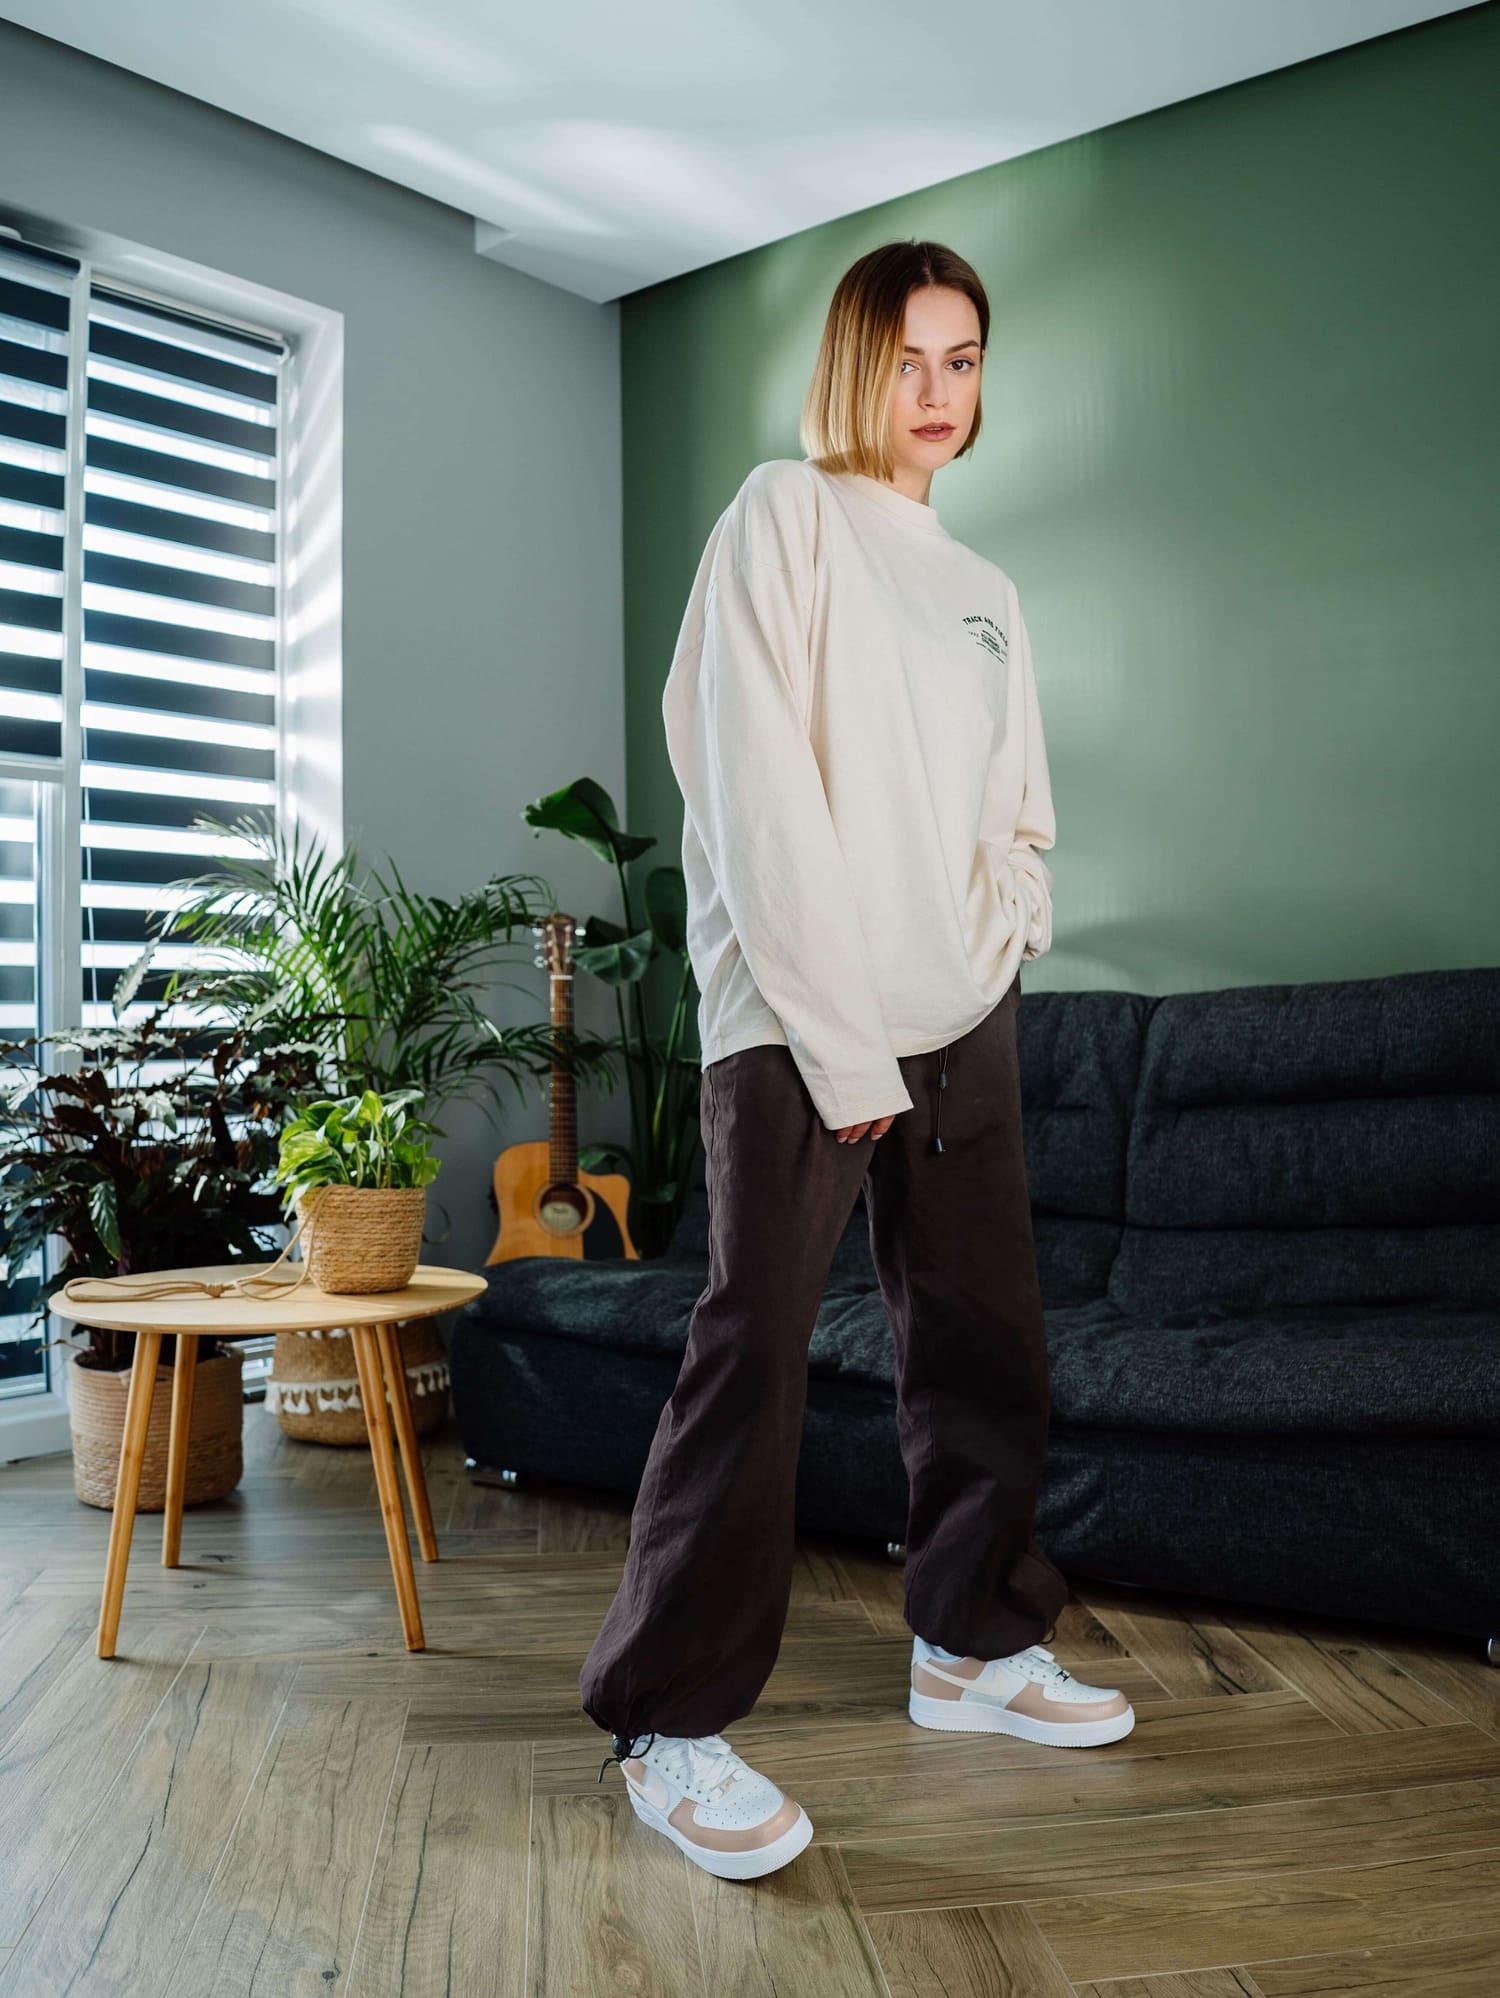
x=851, y=714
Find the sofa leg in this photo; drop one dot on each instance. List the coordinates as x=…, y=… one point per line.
x=895, y=1550
x=487, y=1474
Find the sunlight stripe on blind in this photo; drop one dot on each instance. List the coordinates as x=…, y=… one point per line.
x=181, y=587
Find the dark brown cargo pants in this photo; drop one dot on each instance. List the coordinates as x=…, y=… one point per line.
x=693, y=1632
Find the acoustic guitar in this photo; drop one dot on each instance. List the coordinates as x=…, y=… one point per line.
x=547, y=1207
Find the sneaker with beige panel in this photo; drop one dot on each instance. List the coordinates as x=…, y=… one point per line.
x=725, y=1816
x=1026, y=1694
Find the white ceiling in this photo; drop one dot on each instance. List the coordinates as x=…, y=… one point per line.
x=603, y=145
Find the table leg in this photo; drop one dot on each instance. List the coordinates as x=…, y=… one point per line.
x=406, y=1435
x=387, y=1482
x=183, y=1373
x=127, y=1486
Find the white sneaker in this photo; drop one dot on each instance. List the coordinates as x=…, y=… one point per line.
x=727, y=1817
x=1027, y=1694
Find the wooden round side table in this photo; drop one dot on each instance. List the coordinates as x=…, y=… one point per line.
x=372, y=1322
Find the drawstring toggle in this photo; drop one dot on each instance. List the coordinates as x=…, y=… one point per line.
x=937, y=1129
x=621, y=1746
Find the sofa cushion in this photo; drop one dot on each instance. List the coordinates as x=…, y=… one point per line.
x=644, y=1307
x=1316, y=1144
x=1318, y=1371
x=1428, y=1370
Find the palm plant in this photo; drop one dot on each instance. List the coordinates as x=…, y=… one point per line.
x=383, y=980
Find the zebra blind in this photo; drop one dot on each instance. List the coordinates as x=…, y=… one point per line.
x=140, y=545
x=140, y=516
x=36, y=305
x=180, y=601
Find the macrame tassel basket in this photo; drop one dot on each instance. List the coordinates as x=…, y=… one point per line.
x=215, y=1458
x=313, y=1388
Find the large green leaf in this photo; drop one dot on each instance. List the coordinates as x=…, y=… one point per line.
x=610, y=955
x=584, y=810
x=666, y=907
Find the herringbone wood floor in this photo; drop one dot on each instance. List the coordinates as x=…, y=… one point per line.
x=264, y=1792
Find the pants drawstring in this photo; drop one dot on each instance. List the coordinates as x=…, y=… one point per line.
x=620, y=1747
x=937, y=1127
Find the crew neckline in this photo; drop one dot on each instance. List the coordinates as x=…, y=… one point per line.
x=900, y=506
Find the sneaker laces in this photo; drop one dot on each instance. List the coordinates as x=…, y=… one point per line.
x=704, y=1758
x=1046, y=1664
x=1042, y=1660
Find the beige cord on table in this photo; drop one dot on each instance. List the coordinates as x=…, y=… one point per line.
x=124, y=1289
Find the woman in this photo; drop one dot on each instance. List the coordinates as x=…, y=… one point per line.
x=851, y=714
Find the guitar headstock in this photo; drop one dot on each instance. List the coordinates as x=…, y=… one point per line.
x=555, y=933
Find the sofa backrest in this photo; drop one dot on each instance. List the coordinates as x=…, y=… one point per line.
x=1080, y=1055
x=1326, y=1143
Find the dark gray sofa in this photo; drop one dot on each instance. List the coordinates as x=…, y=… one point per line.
x=1268, y=1229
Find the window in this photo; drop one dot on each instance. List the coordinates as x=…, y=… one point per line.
x=141, y=663
x=180, y=653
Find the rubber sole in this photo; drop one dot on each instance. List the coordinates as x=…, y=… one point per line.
x=968, y=1717
x=727, y=1865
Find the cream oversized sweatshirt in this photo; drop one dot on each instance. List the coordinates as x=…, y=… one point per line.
x=851, y=715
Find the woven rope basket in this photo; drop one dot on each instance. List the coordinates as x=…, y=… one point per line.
x=215, y=1444
x=364, y=1239
x=313, y=1389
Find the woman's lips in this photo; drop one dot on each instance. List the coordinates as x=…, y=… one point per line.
x=933, y=430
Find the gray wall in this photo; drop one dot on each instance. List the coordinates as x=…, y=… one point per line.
x=481, y=550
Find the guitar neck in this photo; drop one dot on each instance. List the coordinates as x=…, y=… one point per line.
x=563, y=1142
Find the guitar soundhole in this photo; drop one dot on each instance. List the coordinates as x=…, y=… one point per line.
x=561, y=1210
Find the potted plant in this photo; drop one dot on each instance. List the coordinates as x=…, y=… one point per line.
x=154, y=1149
x=386, y=980
x=388, y=983
x=357, y=1170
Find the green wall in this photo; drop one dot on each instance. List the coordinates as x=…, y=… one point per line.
x=1239, y=455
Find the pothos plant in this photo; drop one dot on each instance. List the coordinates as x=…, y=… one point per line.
x=367, y=1140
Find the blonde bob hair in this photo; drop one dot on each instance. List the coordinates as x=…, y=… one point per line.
x=846, y=416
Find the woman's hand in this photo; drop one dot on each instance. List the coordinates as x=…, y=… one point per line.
x=851, y=1134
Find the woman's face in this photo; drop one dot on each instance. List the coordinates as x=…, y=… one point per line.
x=937, y=381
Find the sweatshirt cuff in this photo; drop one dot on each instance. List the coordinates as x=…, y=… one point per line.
x=860, y=1106
x=1032, y=880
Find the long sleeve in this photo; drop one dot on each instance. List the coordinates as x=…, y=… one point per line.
x=1036, y=824
x=1033, y=830
x=735, y=708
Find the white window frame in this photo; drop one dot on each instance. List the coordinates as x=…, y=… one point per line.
x=310, y=643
